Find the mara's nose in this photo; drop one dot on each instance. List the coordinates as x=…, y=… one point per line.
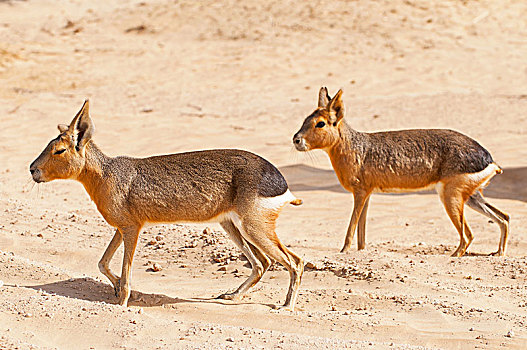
x=296, y=139
x=32, y=168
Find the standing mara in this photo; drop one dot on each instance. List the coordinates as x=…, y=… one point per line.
x=240, y=190
x=402, y=161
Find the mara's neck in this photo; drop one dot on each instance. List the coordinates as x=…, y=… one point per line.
x=347, y=154
x=92, y=175
x=350, y=143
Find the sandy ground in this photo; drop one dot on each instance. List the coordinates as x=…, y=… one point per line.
x=169, y=76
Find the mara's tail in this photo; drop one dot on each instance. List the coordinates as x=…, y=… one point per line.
x=499, y=170
x=296, y=201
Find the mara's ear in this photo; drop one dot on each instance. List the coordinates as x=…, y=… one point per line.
x=82, y=126
x=323, y=97
x=63, y=128
x=336, y=108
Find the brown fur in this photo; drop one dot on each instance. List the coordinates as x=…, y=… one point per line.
x=401, y=161
x=232, y=187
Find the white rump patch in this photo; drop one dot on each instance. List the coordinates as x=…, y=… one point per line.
x=486, y=173
x=276, y=202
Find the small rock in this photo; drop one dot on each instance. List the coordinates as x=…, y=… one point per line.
x=207, y=231
x=152, y=242
x=156, y=267
x=29, y=314
x=229, y=339
x=159, y=238
x=471, y=329
x=333, y=308
x=310, y=265
x=510, y=334
x=40, y=235
x=223, y=268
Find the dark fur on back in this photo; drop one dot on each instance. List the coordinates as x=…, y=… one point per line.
x=272, y=183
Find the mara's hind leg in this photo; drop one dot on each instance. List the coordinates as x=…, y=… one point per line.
x=259, y=262
x=107, y=257
x=453, y=201
x=260, y=232
x=479, y=204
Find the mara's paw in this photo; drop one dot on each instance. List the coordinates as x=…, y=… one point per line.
x=229, y=296
x=287, y=308
x=498, y=253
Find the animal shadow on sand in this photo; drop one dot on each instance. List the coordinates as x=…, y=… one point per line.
x=89, y=289
x=512, y=184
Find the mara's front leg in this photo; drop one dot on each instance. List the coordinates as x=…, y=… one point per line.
x=130, y=236
x=107, y=257
x=361, y=229
x=360, y=199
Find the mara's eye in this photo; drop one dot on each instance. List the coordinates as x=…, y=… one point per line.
x=60, y=151
x=320, y=125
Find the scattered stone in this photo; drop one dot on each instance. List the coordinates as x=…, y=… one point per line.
x=223, y=268
x=207, y=231
x=28, y=314
x=152, y=242
x=140, y=311
x=156, y=267
x=229, y=339
x=510, y=334
x=40, y=235
x=159, y=238
x=310, y=265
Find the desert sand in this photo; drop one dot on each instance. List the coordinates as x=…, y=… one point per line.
x=173, y=76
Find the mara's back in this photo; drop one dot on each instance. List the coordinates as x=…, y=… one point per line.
x=198, y=186
x=427, y=154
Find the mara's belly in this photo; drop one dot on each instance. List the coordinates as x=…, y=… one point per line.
x=405, y=189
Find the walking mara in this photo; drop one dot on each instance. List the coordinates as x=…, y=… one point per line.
x=402, y=161
x=240, y=190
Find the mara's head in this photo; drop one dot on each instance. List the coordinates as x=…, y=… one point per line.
x=320, y=129
x=64, y=156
